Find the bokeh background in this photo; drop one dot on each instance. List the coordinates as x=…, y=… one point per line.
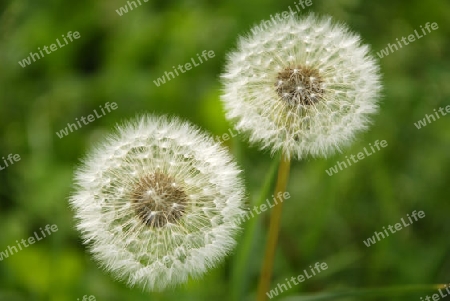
x=326, y=219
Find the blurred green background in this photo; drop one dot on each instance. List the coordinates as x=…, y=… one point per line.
x=326, y=219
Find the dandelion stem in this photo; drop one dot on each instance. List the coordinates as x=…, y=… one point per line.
x=241, y=271
x=274, y=226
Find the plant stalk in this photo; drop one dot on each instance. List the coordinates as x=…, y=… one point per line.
x=274, y=227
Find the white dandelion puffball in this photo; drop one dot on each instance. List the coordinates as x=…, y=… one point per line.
x=301, y=86
x=159, y=201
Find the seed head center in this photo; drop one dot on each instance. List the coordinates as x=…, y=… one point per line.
x=299, y=86
x=157, y=200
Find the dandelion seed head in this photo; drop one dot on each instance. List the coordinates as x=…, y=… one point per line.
x=303, y=86
x=158, y=202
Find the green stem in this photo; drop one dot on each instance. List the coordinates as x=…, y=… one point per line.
x=272, y=236
x=252, y=229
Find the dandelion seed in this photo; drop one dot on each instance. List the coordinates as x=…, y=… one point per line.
x=158, y=202
x=304, y=86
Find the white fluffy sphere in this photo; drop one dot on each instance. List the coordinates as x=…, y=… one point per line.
x=157, y=202
x=303, y=86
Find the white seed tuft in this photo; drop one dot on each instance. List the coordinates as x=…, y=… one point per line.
x=158, y=202
x=303, y=86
